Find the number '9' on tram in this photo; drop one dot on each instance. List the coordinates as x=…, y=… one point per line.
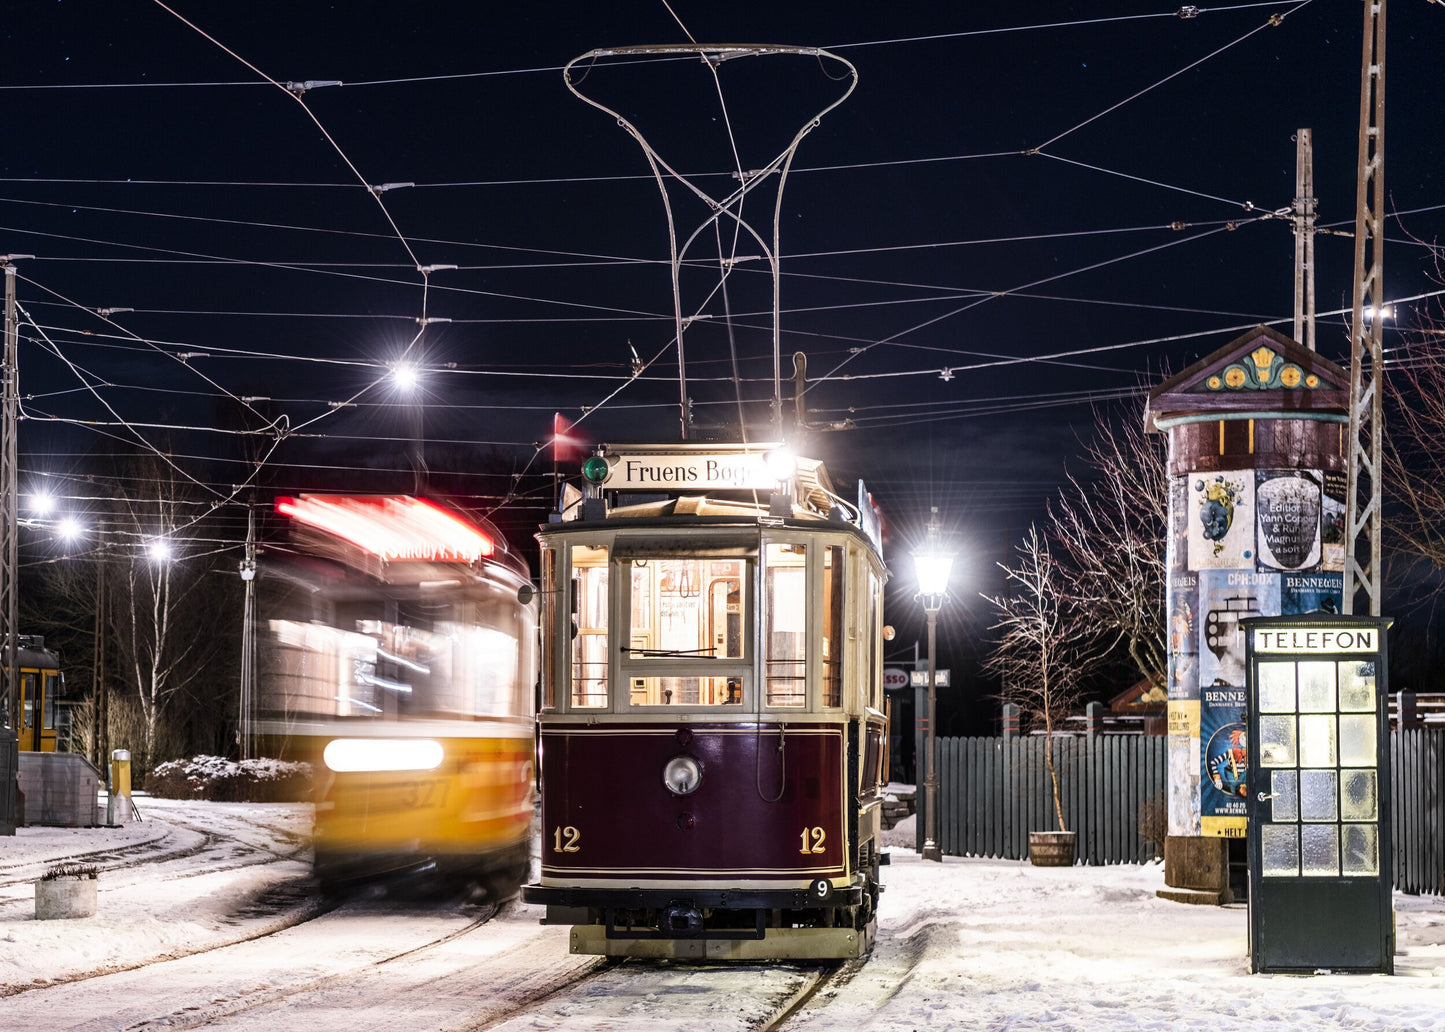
x=711, y=731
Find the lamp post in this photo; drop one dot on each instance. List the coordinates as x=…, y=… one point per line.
x=933, y=566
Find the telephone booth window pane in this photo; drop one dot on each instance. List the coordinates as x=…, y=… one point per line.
x=1276, y=688
x=1359, y=796
x=1318, y=795
x=1317, y=687
x=1317, y=741
x=1357, y=740
x=1362, y=849
x=1320, y=850
x=1284, y=790
x=1357, y=687
x=1276, y=742
x=1280, y=845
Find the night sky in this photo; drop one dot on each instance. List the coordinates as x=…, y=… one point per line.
x=1024, y=216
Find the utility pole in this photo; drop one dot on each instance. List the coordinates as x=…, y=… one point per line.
x=248, y=638
x=100, y=688
x=1304, y=239
x=1367, y=426
x=9, y=519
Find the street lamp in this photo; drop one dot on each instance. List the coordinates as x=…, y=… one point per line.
x=933, y=566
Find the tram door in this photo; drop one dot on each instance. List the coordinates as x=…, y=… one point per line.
x=1319, y=825
x=37, y=710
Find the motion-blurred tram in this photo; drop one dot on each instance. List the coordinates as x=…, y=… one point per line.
x=711, y=733
x=401, y=662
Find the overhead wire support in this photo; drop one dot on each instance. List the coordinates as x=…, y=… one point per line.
x=1363, y=506
x=729, y=206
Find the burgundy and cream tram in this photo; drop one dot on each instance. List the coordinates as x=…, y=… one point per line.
x=711, y=733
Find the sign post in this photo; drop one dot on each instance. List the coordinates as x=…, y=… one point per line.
x=1319, y=795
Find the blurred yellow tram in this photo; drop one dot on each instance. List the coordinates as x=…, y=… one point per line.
x=400, y=662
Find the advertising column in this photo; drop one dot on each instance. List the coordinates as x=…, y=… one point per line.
x=1256, y=510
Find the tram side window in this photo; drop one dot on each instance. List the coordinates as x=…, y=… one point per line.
x=685, y=612
x=27, y=700
x=589, y=626
x=786, y=637
x=549, y=615
x=873, y=675
x=833, y=643
x=47, y=709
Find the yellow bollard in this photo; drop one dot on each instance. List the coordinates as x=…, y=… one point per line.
x=120, y=773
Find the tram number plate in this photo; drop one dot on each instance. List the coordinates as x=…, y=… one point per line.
x=407, y=795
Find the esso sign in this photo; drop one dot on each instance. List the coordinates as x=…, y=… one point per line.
x=894, y=679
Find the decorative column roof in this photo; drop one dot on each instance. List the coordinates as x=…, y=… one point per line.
x=1261, y=374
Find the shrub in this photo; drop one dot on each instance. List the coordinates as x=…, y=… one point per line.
x=229, y=781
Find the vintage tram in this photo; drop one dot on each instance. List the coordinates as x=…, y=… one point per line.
x=711, y=732
x=40, y=686
x=400, y=662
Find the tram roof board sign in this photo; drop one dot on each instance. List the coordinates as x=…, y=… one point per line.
x=1322, y=639
x=669, y=471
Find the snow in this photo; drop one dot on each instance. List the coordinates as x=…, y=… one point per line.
x=968, y=943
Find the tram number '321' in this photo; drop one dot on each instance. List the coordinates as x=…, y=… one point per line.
x=813, y=840
x=566, y=840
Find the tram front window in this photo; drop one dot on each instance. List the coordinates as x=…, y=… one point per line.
x=685, y=631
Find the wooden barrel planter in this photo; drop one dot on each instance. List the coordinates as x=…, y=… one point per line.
x=1052, y=848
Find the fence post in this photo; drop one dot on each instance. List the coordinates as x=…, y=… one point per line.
x=1010, y=722
x=1094, y=719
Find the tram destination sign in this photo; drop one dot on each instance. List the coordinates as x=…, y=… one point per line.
x=691, y=470
x=1304, y=640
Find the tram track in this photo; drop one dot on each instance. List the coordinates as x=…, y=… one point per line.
x=154, y=852
x=255, y=998
x=826, y=979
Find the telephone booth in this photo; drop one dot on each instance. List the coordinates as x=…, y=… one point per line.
x=1319, y=795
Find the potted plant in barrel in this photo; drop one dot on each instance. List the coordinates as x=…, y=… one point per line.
x=1038, y=653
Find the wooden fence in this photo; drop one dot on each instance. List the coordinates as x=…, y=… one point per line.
x=993, y=791
x=1417, y=797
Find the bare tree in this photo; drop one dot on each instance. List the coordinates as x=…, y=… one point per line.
x=162, y=610
x=1414, y=475
x=1041, y=649
x=1110, y=529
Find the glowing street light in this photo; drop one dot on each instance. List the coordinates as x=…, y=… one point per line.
x=405, y=376
x=933, y=566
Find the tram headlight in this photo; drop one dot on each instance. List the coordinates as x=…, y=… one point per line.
x=682, y=775
x=375, y=754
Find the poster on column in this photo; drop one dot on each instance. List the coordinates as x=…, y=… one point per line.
x=1321, y=592
x=1183, y=603
x=1220, y=510
x=1224, y=753
x=1225, y=598
x=1177, y=547
x=1287, y=508
x=1183, y=749
x=1332, y=521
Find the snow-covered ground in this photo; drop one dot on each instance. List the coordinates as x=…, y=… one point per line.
x=966, y=944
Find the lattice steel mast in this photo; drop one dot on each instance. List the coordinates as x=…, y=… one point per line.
x=1367, y=427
